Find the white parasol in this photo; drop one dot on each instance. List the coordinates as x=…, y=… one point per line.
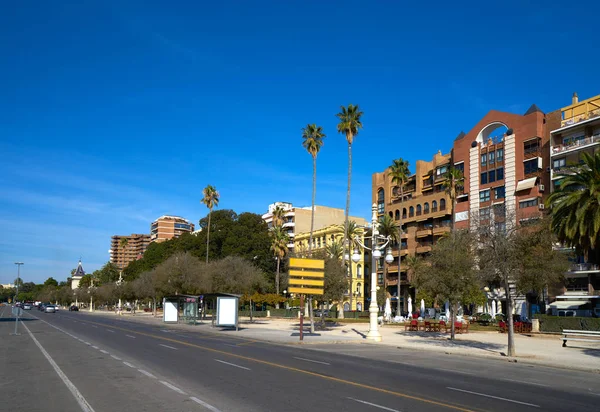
x=409, y=306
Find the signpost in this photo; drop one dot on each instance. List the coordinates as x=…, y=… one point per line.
x=306, y=278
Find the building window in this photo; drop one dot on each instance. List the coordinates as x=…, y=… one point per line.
x=559, y=163
x=403, y=213
x=499, y=193
x=426, y=207
x=491, y=157
x=442, y=204
x=484, y=213
x=500, y=155
x=500, y=173
x=411, y=212
x=492, y=176
x=528, y=203
x=531, y=146
x=391, y=214
x=434, y=206
x=359, y=271
x=418, y=210
x=380, y=201
x=441, y=170
x=531, y=166
x=484, y=196
x=380, y=278
x=397, y=215
x=484, y=159
x=460, y=166
x=484, y=178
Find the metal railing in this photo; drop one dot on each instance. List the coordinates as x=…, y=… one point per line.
x=580, y=267
x=576, y=143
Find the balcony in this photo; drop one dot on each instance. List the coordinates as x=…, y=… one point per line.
x=441, y=229
x=403, y=251
x=576, y=144
x=423, y=232
x=424, y=247
x=289, y=224
x=584, y=268
x=579, y=112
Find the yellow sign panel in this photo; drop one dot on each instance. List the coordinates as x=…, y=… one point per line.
x=306, y=274
x=306, y=282
x=305, y=291
x=299, y=263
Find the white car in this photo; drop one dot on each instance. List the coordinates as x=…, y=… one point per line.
x=50, y=309
x=27, y=306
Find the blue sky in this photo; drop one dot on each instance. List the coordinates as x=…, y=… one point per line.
x=114, y=113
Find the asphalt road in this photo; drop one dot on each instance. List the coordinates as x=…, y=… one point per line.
x=120, y=365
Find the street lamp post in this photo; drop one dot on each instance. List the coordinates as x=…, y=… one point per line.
x=91, y=292
x=17, y=309
x=376, y=249
x=119, y=283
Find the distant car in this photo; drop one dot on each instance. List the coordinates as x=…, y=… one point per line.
x=49, y=308
x=56, y=307
x=27, y=306
x=73, y=309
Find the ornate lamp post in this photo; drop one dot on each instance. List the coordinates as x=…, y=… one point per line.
x=91, y=290
x=378, y=244
x=119, y=283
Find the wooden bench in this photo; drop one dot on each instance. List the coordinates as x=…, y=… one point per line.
x=580, y=335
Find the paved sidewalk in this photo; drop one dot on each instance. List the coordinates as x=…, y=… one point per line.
x=535, y=348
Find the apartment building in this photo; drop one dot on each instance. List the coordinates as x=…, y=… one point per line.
x=298, y=219
x=425, y=213
x=121, y=254
x=169, y=227
x=324, y=237
x=572, y=131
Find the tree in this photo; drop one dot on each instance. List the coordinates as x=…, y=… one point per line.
x=85, y=282
x=449, y=274
x=107, y=274
x=182, y=273
x=400, y=173
x=335, y=249
x=278, y=214
x=349, y=125
x=575, y=207
x=210, y=198
x=388, y=228
x=235, y=275
x=313, y=141
x=453, y=185
x=50, y=282
x=335, y=282
x=351, y=231
x=279, y=241
x=124, y=242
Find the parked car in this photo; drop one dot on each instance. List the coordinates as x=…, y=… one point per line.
x=49, y=308
x=73, y=308
x=27, y=306
x=56, y=307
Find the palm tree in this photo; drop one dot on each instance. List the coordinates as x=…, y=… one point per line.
x=575, y=206
x=400, y=173
x=351, y=230
x=453, y=185
x=124, y=242
x=313, y=140
x=278, y=214
x=335, y=249
x=349, y=124
x=210, y=199
x=388, y=228
x=279, y=242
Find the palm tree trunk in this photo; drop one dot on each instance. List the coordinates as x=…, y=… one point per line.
x=341, y=312
x=509, y=318
x=277, y=281
x=312, y=215
x=208, y=234
x=399, y=312
x=350, y=297
x=452, y=326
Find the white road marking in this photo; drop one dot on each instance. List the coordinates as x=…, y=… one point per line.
x=374, y=405
x=148, y=374
x=129, y=364
x=94, y=326
x=232, y=364
x=455, y=371
x=182, y=336
x=130, y=336
x=109, y=330
x=83, y=403
x=167, y=346
x=87, y=343
x=103, y=351
x=206, y=405
x=229, y=344
x=175, y=388
x=115, y=357
x=314, y=361
x=493, y=397
x=95, y=347
x=527, y=382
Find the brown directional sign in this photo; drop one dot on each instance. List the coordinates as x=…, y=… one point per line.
x=306, y=276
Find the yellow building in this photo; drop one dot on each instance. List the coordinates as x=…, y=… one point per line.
x=324, y=237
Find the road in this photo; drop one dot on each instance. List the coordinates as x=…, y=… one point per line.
x=114, y=364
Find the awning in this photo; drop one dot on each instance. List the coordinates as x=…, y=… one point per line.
x=568, y=304
x=526, y=184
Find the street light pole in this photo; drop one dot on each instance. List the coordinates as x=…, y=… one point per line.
x=17, y=295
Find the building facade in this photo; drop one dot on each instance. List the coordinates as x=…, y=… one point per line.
x=169, y=227
x=121, y=255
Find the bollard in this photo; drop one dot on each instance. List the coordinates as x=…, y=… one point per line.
x=535, y=325
x=268, y=313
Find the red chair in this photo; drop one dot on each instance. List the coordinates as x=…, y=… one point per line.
x=502, y=326
x=444, y=326
x=458, y=327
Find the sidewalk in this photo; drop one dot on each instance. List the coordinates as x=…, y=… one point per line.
x=537, y=349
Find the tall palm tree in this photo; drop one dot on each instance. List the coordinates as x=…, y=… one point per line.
x=313, y=136
x=453, y=185
x=210, y=198
x=388, y=228
x=124, y=242
x=335, y=249
x=351, y=230
x=400, y=173
x=349, y=124
x=279, y=242
x=575, y=206
x=278, y=214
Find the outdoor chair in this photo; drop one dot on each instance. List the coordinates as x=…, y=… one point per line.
x=502, y=326
x=412, y=326
x=443, y=325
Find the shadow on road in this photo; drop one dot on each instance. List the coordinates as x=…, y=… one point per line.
x=433, y=340
x=13, y=319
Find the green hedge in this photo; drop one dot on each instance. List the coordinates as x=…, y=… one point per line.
x=558, y=323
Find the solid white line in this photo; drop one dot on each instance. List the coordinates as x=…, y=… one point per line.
x=130, y=336
x=103, y=351
x=375, y=405
x=85, y=406
x=87, y=343
x=95, y=347
x=175, y=388
x=129, y=364
x=115, y=357
x=148, y=374
x=108, y=330
x=206, y=405
x=493, y=397
x=314, y=361
x=167, y=346
x=232, y=364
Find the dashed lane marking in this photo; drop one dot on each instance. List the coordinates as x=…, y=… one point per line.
x=173, y=387
x=232, y=364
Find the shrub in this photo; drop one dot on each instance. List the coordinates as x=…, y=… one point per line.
x=557, y=324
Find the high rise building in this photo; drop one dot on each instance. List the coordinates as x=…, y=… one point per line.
x=168, y=227
x=121, y=254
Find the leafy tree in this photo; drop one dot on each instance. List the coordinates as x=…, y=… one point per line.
x=335, y=282
x=235, y=275
x=351, y=231
x=50, y=282
x=210, y=198
x=181, y=274
x=313, y=136
x=453, y=185
x=85, y=282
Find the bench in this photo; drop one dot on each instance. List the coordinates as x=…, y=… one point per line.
x=580, y=335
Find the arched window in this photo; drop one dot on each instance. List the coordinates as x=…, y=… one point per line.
x=359, y=306
x=442, y=204
x=434, y=206
x=391, y=214
x=397, y=216
x=418, y=210
x=426, y=207
x=404, y=213
x=411, y=212
x=380, y=201
x=358, y=271
x=358, y=288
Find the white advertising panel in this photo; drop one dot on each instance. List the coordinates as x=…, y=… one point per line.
x=170, y=311
x=227, y=311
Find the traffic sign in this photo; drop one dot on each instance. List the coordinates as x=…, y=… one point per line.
x=307, y=276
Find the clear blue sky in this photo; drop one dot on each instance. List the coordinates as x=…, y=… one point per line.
x=114, y=113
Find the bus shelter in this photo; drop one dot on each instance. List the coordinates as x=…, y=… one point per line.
x=223, y=309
